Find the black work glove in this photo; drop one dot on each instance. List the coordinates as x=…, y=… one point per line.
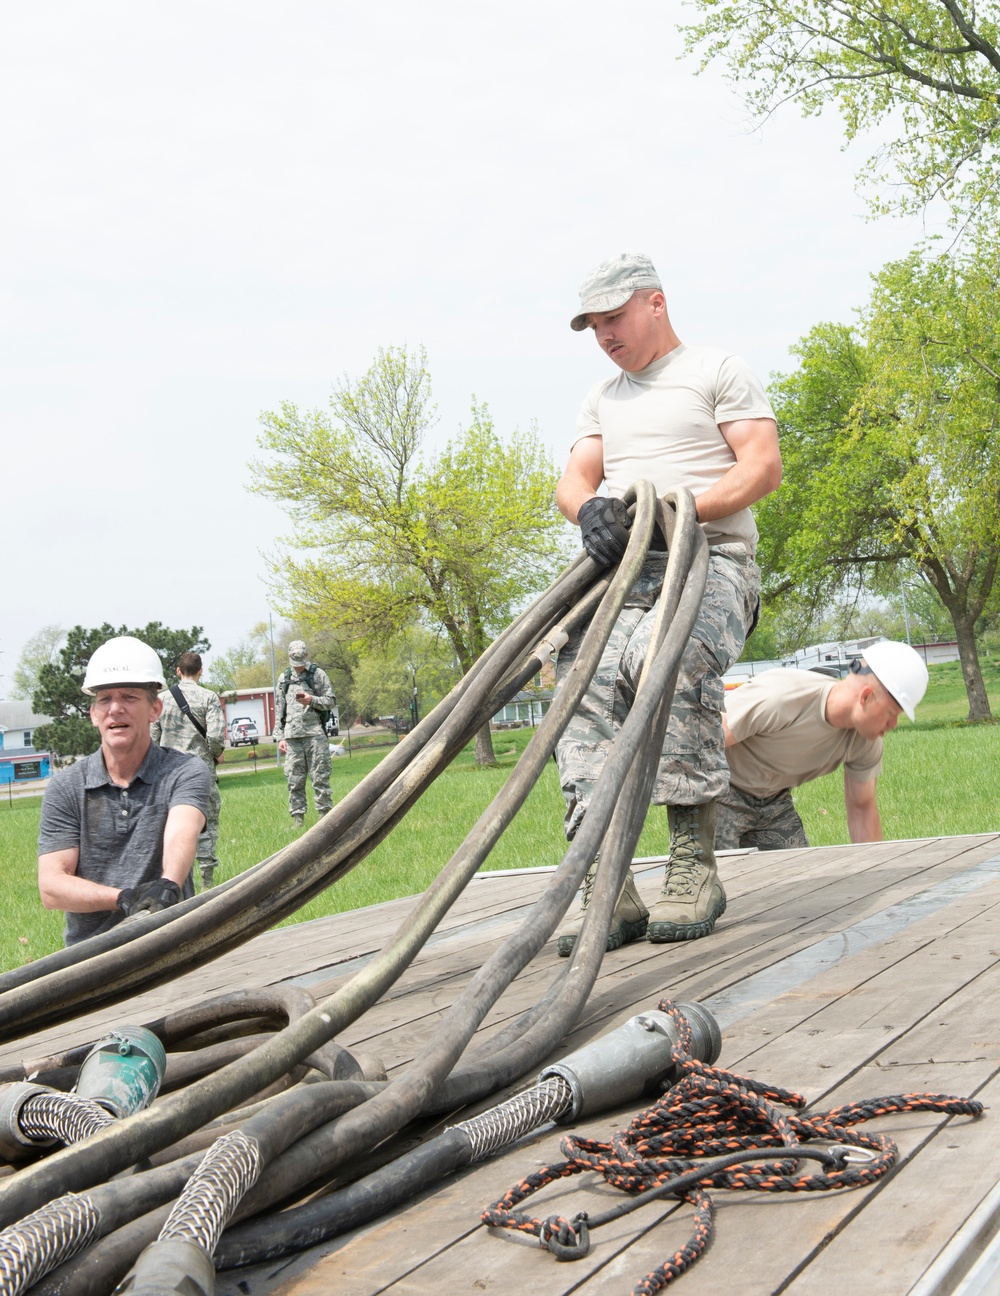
x=127, y=902
x=605, y=524
x=151, y=897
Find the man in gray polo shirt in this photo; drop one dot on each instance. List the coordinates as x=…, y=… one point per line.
x=119, y=829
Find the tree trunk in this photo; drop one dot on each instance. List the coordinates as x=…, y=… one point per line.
x=965, y=591
x=979, y=703
x=484, y=748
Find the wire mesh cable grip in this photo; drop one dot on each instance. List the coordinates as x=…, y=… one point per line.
x=41, y=1241
x=180, y=1260
x=65, y=1117
x=508, y=1121
x=714, y=1128
x=229, y=1169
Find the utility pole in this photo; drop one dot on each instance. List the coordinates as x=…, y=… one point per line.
x=274, y=679
x=906, y=615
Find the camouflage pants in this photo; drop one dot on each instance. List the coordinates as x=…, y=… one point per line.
x=308, y=755
x=693, y=767
x=209, y=835
x=769, y=823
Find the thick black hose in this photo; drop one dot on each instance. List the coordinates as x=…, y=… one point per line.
x=123, y=1202
x=512, y=1053
x=367, y=1199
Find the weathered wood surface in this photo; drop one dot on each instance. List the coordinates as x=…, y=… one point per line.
x=840, y=972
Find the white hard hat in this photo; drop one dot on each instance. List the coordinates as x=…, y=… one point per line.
x=120, y=661
x=900, y=669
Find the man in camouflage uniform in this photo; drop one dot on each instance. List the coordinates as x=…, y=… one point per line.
x=201, y=730
x=300, y=732
x=679, y=416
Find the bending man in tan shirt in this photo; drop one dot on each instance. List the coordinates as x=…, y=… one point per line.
x=786, y=727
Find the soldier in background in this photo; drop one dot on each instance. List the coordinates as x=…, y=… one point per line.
x=303, y=702
x=192, y=721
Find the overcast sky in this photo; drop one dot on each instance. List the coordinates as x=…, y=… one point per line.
x=210, y=208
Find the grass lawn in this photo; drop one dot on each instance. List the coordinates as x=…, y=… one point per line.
x=940, y=777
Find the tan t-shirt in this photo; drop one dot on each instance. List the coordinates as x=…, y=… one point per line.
x=662, y=424
x=782, y=738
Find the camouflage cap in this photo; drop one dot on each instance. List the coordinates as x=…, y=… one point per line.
x=298, y=653
x=613, y=283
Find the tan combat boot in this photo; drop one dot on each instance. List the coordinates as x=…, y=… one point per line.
x=628, y=922
x=692, y=897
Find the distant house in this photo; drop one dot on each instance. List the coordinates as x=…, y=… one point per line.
x=19, y=761
x=528, y=706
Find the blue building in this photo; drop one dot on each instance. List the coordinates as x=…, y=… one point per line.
x=19, y=761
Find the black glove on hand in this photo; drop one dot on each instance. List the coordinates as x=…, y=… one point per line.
x=605, y=526
x=127, y=901
x=154, y=896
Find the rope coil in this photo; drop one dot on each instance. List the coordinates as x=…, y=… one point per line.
x=713, y=1129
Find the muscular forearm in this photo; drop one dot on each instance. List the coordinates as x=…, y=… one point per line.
x=744, y=484
x=864, y=823
x=72, y=894
x=584, y=474
x=180, y=841
x=571, y=494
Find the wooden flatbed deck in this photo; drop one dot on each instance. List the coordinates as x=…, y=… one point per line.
x=840, y=972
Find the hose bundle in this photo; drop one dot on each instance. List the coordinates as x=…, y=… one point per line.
x=304, y=1136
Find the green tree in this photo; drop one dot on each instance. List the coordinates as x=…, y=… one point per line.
x=60, y=684
x=247, y=664
x=927, y=69
x=419, y=667
x=386, y=536
x=41, y=649
x=889, y=441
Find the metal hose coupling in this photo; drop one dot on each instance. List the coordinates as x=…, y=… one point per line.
x=633, y=1060
x=15, y=1144
x=123, y=1071
x=171, y=1267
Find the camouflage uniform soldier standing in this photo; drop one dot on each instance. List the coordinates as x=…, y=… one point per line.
x=200, y=730
x=300, y=732
x=676, y=415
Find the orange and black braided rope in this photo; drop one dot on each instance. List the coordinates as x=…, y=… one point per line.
x=714, y=1129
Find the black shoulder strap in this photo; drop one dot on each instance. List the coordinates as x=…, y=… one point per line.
x=281, y=697
x=178, y=696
